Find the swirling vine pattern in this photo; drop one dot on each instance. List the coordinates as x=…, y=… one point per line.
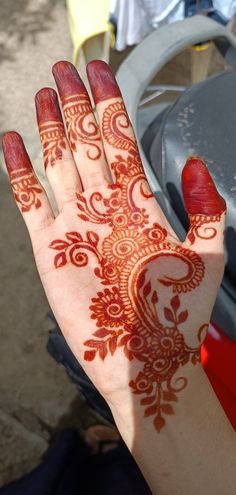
x=127, y=311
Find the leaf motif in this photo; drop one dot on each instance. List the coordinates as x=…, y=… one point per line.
x=93, y=343
x=150, y=410
x=169, y=315
x=183, y=316
x=191, y=237
x=83, y=217
x=89, y=355
x=59, y=245
x=60, y=260
x=102, y=332
x=74, y=236
x=128, y=354
x=159, y=422
x=154, y=297
x=148, y=400
x=81, y=198
x=92, y=238
x=141, y=279
x=167, y=409
x=113, y=344
x=170, y=396
x=175, y=303
x=81, y=207
x=124, y=340
x=103, y=351
x=147, y=289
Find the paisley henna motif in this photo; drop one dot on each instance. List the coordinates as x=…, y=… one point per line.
x=52, y=136
x=25, y=189
x=199, y=227
x=127, y=311
x=81, y=125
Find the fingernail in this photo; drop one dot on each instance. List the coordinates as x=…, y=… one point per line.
x=68, y=80
x=47, y=106
x=15, y=154
x=102, y=81
x=199, y=190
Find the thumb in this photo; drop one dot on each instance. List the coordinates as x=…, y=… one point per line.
x=205, y=207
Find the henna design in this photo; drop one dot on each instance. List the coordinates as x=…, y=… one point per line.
x=127, y=311
x=81, y=125
x=53, y=140
x=72, y=250
x=115, y=121
x=25, y=189
x=199, y=228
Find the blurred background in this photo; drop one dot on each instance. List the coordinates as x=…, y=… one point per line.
x=37, y=400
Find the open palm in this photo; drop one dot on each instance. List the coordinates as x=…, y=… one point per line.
x=122, y=286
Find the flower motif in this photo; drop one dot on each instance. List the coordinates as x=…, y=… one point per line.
x=142, y=384
x=160, y=368
x=156, y=233
x=170, y=342
x=108, y=308
x=121, y=245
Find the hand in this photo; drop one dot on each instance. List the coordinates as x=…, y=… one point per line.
x=132, y=301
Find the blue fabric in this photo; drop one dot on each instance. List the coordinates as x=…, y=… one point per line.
x=69, y=469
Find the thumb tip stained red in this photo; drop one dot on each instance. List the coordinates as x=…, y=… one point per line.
x=199, y=190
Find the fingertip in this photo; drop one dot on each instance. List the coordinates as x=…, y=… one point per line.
x=102, y=81
x=47, y=106
x=15, y=154
x=67, y=79
x=199, y=191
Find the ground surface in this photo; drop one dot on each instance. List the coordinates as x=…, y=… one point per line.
x=35, y=395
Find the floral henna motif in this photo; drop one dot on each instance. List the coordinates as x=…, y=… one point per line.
x=72, y=250
x=25, y=189
x=81, y=125
x=127, y=312
x=53, y=140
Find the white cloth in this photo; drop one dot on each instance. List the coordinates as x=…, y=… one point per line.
x=137, y=18
x=225, y=7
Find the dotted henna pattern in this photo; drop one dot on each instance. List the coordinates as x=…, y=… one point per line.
x=127, y=311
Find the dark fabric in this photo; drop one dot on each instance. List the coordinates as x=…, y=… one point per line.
x=69, y=469
x=193, y=7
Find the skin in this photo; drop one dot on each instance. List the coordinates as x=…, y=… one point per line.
x=125, y=291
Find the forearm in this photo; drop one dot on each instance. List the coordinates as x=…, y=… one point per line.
x=194, y=453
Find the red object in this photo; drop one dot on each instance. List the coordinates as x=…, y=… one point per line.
x=102, y=81
x=47, y=106
x=218, y=357
x=16, y=156
x=199, y=190
x=68, y=80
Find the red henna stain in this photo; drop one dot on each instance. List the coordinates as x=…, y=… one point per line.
x=15, y=154
x=25, y=186
x=102, y=81
x=127, y=311
x=199, y=190
x=51, y=127
x=81, y=125
x=68, y=80
x=47, y=106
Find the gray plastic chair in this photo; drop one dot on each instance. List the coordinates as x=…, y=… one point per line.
x=134, y=76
